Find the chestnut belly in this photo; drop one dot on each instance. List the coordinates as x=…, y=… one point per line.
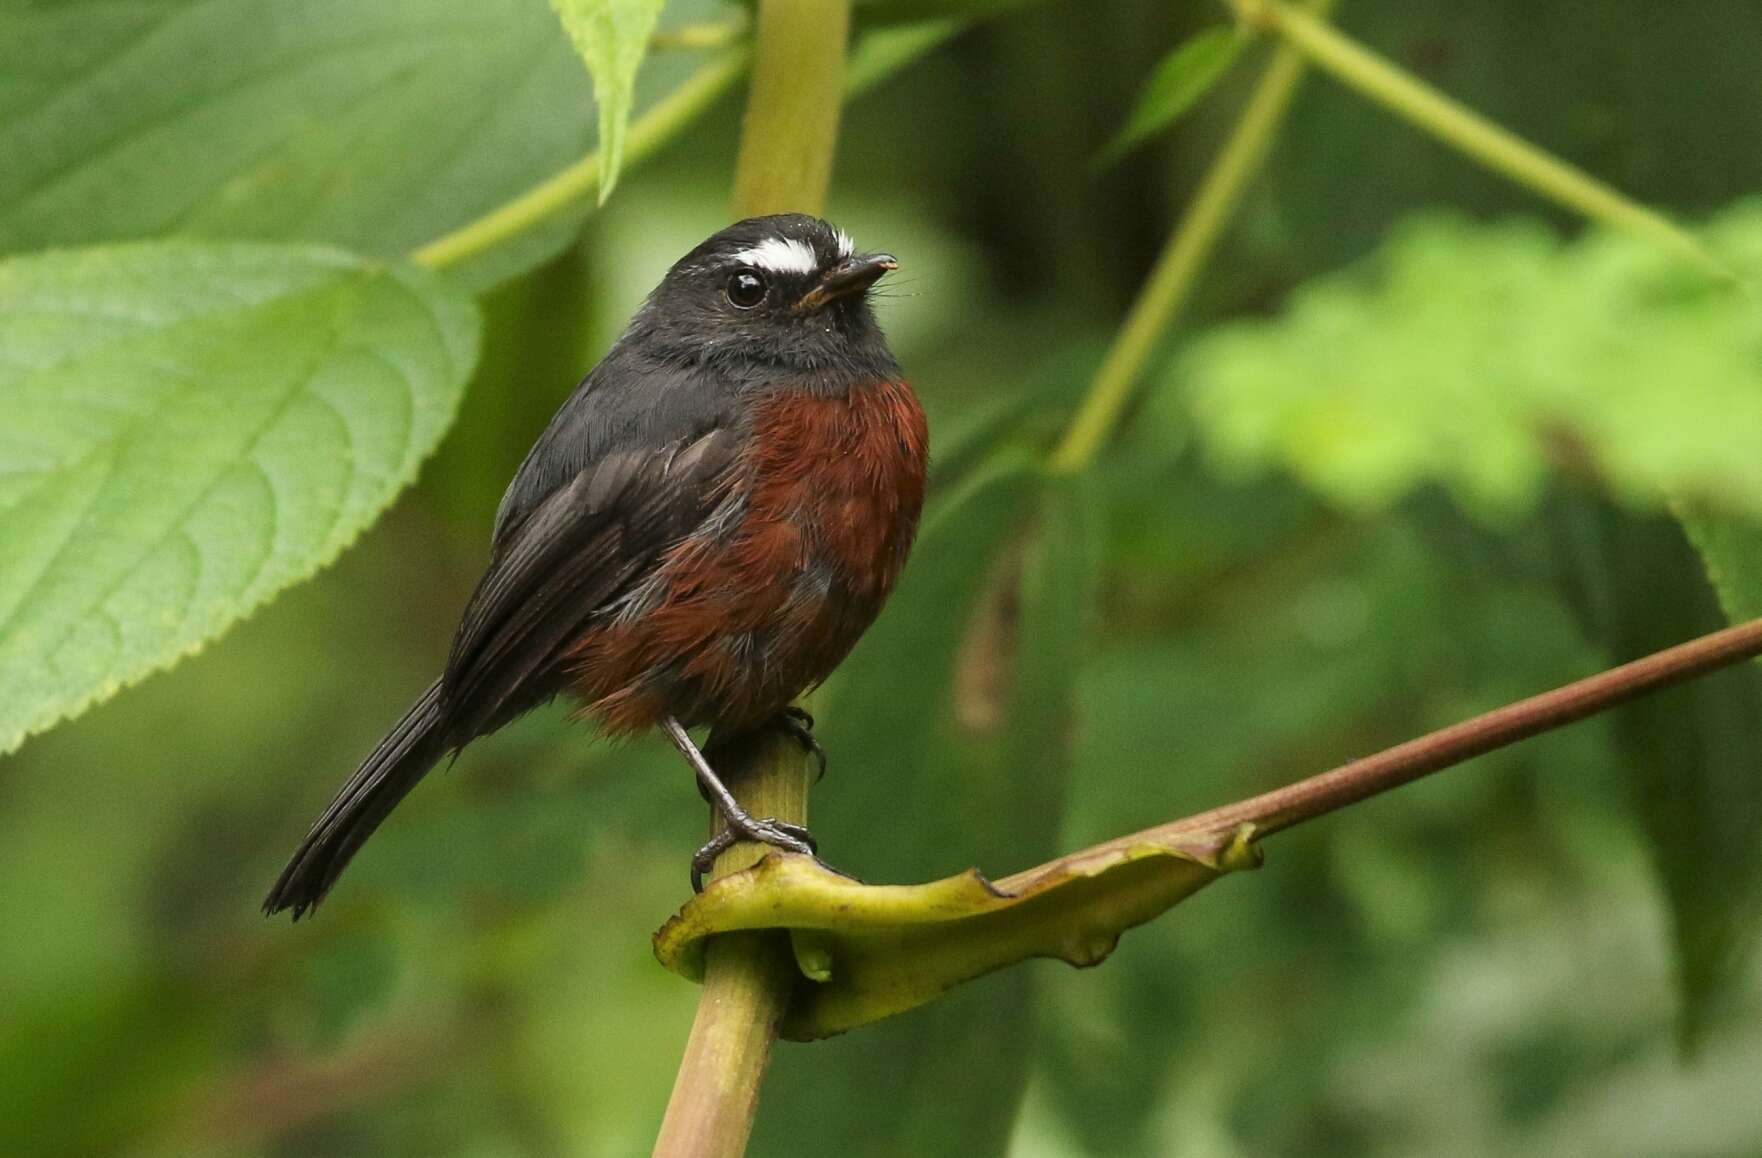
x=775, y=587
x=726, y=631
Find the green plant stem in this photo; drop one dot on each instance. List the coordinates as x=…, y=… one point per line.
x=1467, y=131
x=716, y=1092
x=648, y=133
x=1171, y=282
x=747, y=977
x=787, y=143
x=791, y=129
x=709, y=34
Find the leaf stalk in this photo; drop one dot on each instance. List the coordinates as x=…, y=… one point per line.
x=1327, y=792
x=891, y=948
x=748, y=977
x=1171, y=280
x=1480, y=139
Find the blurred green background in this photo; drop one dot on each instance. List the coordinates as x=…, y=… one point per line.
x=1491, y=962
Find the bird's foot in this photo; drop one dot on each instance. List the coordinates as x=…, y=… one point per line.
x=798, y=723
x=793, y=722
x=779, y=834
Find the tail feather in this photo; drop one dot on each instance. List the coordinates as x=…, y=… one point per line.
x=384, y=778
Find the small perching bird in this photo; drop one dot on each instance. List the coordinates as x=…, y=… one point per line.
x=702, y=532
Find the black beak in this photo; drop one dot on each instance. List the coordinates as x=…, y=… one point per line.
x=853, y=275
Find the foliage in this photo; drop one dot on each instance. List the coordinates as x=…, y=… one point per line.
x=1493, y=962
x=1180, y=80
x=190, y=428
x=1731, y=546
x=250, y=119
x=872, y=952
x=1479, y=358
x=1692, y=751
x=1484, y=360
x=612, y=37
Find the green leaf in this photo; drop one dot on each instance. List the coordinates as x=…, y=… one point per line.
x=891, y=948
x=1182, y=77
x=612, y=37
x=377, y=127
x=1731, y=551
x=879, y=53
x=1710, y=829
x=1695, y=751
x=1488, y=360
x=1478, y=358
x=188, y=428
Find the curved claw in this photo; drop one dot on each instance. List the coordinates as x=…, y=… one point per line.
x=779, y=834
x=798, y=722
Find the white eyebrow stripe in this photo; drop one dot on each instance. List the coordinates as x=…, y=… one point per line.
x=780, y=255
x=845, y=245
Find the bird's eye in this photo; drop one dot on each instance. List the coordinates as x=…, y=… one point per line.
x=746, y=289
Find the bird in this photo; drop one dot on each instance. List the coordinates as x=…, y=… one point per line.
x=702, y=532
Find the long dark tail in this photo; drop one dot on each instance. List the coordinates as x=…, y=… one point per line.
x=384, y=778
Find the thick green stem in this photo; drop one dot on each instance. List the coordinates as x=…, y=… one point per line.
x=786, y=150
x=791, y=128
x=1171, y=281
x=747, y=977
x=746, y=983
x=1460, y=127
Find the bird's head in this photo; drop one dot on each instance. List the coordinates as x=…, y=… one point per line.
x=786, y=292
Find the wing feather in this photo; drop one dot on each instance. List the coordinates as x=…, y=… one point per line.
x=569, y=559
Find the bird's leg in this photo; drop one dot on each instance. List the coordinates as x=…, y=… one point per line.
x=742, y=825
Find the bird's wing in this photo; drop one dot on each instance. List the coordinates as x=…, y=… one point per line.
x=567, y=557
